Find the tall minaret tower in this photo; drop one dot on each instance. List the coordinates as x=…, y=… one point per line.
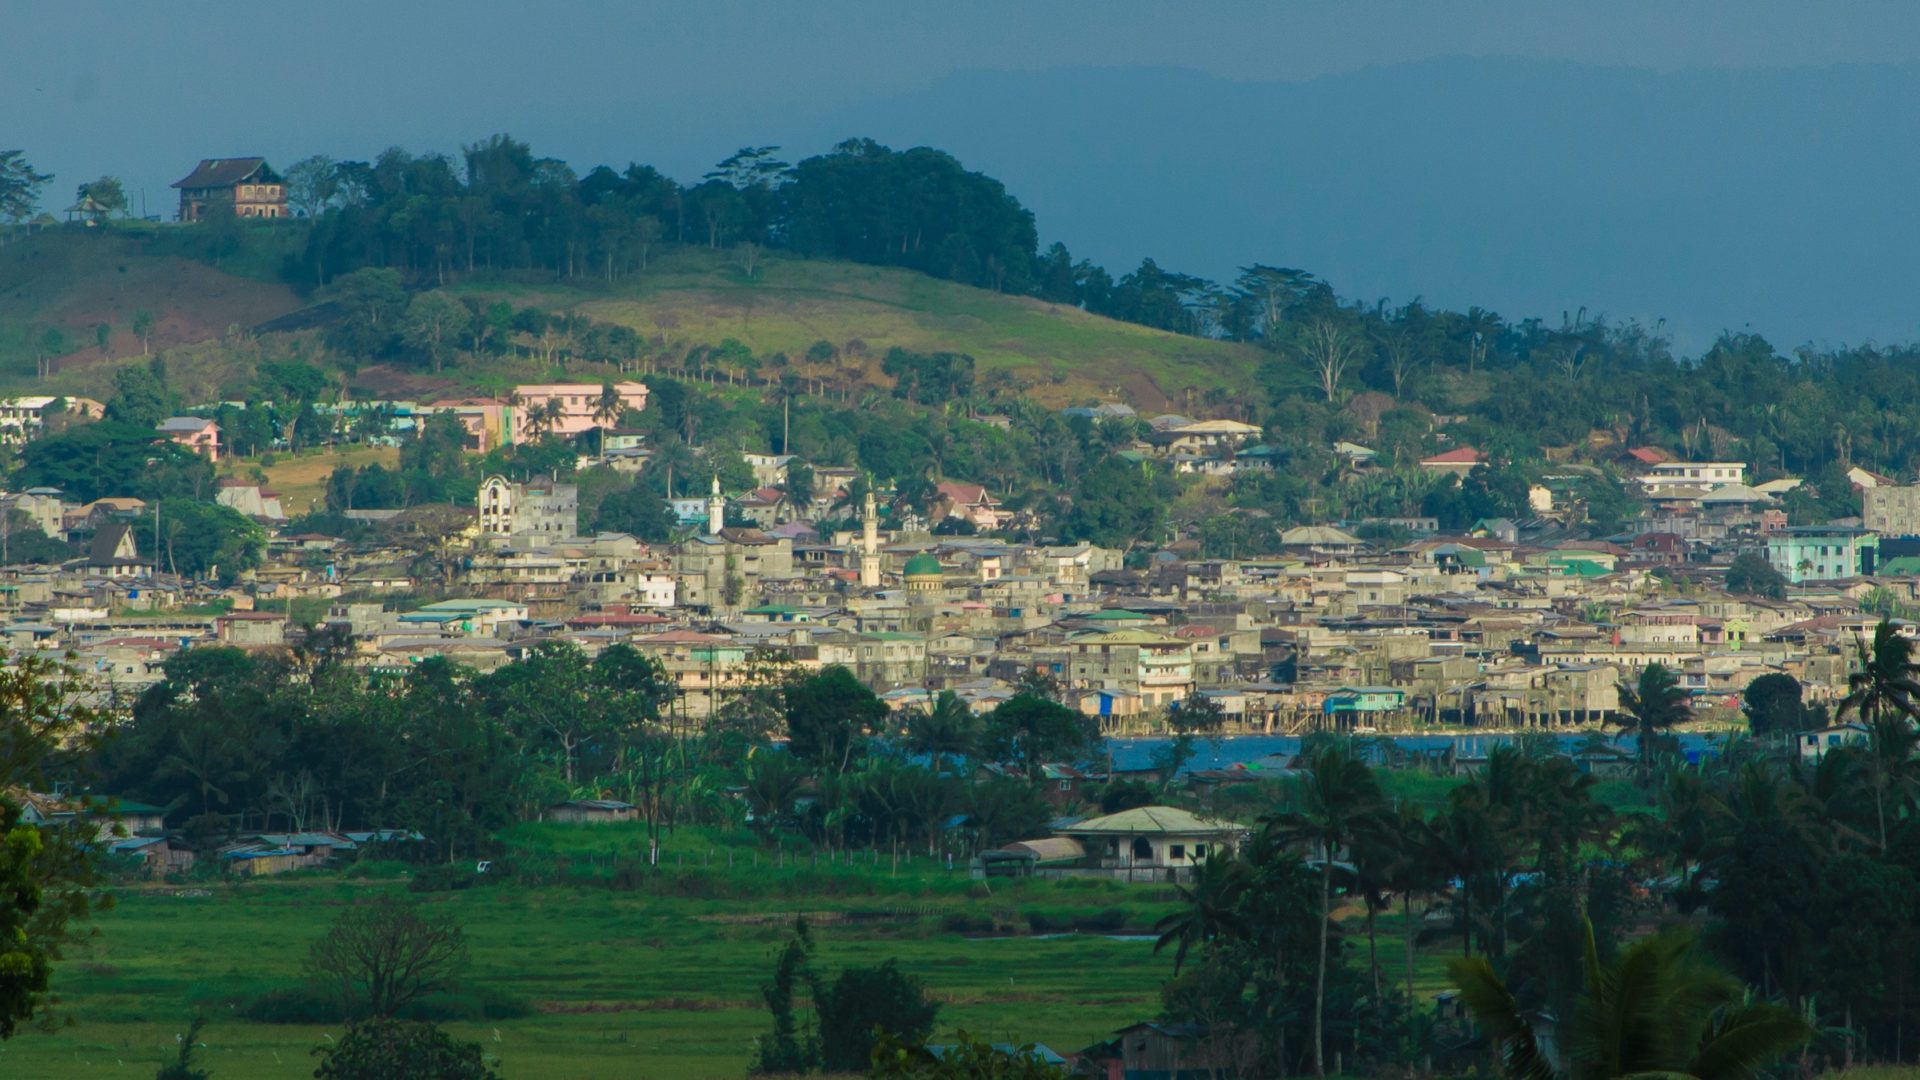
x=870, y=543
x=716, y=509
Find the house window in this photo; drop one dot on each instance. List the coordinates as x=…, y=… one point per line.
x=1066, y=785
x=1179, y=851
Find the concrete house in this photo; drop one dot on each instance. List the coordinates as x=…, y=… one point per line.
x=247, y=186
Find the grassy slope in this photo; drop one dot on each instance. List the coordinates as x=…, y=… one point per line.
x=301, y=480
x=74, y=279
x=695, y=297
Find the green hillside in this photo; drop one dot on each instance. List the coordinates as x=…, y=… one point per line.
x=72, y=280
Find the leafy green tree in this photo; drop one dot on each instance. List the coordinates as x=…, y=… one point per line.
x=371, y=302
x=1773, y=706
x=1659, y=1008
x=830, y=717
x=381, y=1049
x=1032, y=731
x=1118, y=503
x=141, y=396
x=46, y=874
x=864, y=1005
x=1887, y=678
x=1751, y=574
x=200, y=538
x=89, y=461
x=639, y=509
x=432, y=325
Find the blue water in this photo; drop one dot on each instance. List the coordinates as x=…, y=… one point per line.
x=1229, y=750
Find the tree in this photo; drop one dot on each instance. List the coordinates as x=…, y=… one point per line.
x=381, y=956
x=1658, y=1008
x=789, y=1049
x=865, y=1004
x=143, y=324
x=108, y=192
x=19, y=186
x=432, y=323
x=639, y=509
x=946, y=728
x=829, y=717
x=1650, y=707
x=313, y=184
x=1033, y=731
x=1752, y=575
x=141, y=396
x=1887, y=679
x=1117, y=503
x=46, y=732
x=182, y=1066
x=382, y=1049
x=1339, y=802
x=204, y=539
x=1773, y=706
x=1329, y=349
x=966, y=1058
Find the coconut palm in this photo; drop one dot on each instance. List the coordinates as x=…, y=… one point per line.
x=1657, y=1009
x=1887, y=682
x=947, y=728
x=607, y=409
x=1340, y=802
x=1211, y=907
x=1650, y=707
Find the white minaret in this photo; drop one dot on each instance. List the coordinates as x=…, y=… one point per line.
x=870, y=544
x=716, y=509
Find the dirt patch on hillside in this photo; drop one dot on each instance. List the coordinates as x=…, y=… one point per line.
x=76, y=281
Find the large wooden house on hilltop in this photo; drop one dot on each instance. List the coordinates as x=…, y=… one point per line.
x=249, y=185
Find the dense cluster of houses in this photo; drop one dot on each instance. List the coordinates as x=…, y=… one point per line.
x=1513, y=623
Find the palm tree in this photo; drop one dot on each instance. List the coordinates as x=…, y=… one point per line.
x=1340, y=802
x=1210, y=907
x=1656, y=1009
x=1887, y=681
x=1882, y=692
x=1650, y=707
x=949, y=727
x=606, y=412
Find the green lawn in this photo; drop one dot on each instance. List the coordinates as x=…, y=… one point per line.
x=622, y=983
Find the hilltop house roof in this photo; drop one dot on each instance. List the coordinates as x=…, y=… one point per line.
x=226, y=172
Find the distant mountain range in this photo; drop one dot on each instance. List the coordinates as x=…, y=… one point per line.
x=1780, y=200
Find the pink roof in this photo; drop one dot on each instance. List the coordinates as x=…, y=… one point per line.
x=1460, y=456
x=964, y=494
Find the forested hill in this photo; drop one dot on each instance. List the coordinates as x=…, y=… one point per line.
x=858, y=268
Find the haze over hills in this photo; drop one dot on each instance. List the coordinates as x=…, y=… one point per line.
x=1714, y=199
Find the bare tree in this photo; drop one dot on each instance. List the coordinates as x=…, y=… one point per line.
x=1401, y=357
x=1330, y=348
x=384, y=955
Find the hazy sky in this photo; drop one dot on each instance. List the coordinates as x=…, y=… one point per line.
x=142, y=91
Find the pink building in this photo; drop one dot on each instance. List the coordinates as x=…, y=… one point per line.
x=569, y=409
x=200, y=435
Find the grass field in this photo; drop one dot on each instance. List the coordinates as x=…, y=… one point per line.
x=301, y=479
x=622, y=983
x=699, y=297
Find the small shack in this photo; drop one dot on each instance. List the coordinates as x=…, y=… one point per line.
x=591, y=812
x=1153, y=843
